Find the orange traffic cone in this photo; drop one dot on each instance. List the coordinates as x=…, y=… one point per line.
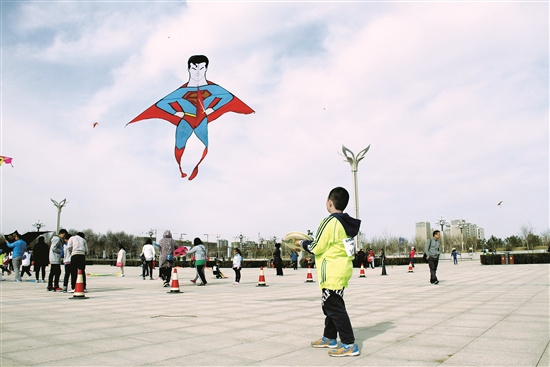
x=261, y=281
x=79, y=287
x=410, y=267
x=309, y=278
x=362, y=272
x=175, y=286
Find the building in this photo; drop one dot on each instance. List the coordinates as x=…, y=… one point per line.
x=423, y=231
x=468, y=229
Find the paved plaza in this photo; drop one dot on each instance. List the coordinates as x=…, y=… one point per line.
x=477, y=316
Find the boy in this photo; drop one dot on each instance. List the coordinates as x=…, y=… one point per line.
x=217, y=272
x=333, y=249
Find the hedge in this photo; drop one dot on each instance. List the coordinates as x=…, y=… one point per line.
x=524, y=258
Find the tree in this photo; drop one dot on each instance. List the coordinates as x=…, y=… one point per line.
x=527, y=231
x=512, y=241
x=545, y=239
x=494, y=243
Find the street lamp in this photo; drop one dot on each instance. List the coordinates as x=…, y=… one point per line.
x=461, y=226
x=354, y=162
x=442, y=222
x=59, y=206
x=38, y=225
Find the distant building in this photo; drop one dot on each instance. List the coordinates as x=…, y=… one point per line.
x=480, y=233
x=468, y=230
x=423, y=231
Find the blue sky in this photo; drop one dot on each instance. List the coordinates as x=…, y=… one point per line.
x=452, y=97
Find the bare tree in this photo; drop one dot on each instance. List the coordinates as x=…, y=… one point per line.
x=527, y=231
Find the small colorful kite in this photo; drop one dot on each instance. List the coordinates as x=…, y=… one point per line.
x=192, y=107
x=7, y=160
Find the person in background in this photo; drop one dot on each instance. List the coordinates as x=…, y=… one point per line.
x=454, y=255
x=200, y=259
x=121, y=259
x=371, y=258
x=237, y=265
x=68, y=275
x=278, y=260
x=26, y=263
x=56, y=243
x=412, y=254
x=148, y=252
x=432, y=252
x=40, y=255
x=167, y=246
x=294, y=259
x=78, y=247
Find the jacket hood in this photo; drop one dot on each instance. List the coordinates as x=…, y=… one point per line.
x=351, y=225
x=167, y=234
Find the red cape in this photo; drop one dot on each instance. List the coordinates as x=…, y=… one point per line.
x=153, y=112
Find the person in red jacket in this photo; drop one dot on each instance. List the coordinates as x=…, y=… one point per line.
x=411, y=256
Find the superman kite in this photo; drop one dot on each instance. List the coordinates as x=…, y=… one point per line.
x=192, y=107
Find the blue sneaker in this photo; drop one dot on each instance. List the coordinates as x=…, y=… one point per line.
x=345, y=350
x=324, y=343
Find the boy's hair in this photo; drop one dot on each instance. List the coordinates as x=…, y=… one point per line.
x=436, y=232
x=197, y=59
x=339, y=197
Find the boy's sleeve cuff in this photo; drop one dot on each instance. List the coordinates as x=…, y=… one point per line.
x=305, y=245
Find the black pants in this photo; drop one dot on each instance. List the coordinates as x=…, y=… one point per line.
x=337, y=320
x=37, y=271
x=148, y=269
x=166, y=274
x=68, y=274
x=26, y=270
x=53, y=279
x=279, y=266
x=200, y=271
x=237, y=275
x=432, y=262
x=78, y=262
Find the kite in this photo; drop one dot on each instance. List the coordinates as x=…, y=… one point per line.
x=181, y=251
x=95, y=124
x=499, y=203
x=192, y=107
x=7, y=160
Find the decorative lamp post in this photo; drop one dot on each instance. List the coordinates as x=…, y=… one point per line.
x=59, y=206
x=461, y=226
x=354, y=162
x=38, y=225
x=442, y=222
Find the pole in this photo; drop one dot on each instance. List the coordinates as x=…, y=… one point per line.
x=59, y=206
x=354, y=163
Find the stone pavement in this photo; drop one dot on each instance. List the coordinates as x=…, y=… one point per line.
x=477, y=316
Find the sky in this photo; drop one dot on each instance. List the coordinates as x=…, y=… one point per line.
x=451, y=97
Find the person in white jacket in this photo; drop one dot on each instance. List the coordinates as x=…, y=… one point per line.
x=148, y=252
x=78, y=247
x=121, y=259
x=237, y=265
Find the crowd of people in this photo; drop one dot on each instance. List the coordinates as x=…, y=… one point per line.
x=333, y=250
x=64, y=249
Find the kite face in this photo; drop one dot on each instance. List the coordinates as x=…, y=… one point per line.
x=192, y=107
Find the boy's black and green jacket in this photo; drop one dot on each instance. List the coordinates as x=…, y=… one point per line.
x=334, y=266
